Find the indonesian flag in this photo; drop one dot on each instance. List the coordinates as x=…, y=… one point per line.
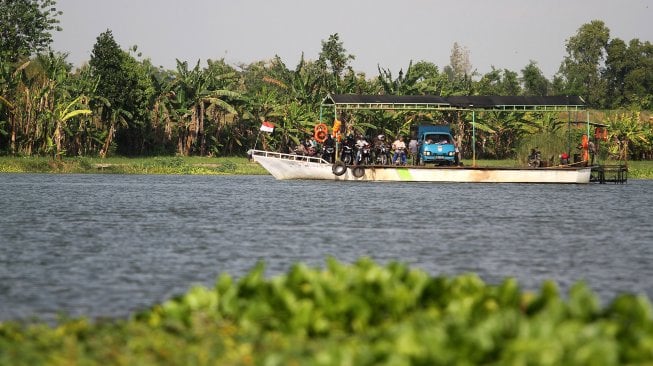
x=267, y=126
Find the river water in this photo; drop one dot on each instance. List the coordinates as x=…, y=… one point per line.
x=109, y=245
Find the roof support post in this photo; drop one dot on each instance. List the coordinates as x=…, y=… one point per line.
x=473, y=137
x=588, y=123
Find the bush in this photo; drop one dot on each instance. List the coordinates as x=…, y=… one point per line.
x=360, y=314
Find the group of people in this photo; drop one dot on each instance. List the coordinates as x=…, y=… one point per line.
x=400, y=151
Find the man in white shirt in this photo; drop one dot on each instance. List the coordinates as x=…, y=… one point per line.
x=399, y=146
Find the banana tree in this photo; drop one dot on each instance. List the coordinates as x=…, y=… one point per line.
x=9, y=96
x=193, y=91
x=626, y=132
x=64, y=112
x=295, y=121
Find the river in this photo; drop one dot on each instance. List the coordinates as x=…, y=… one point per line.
x=108, y=245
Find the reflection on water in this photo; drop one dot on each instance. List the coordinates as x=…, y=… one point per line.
x=106, y=245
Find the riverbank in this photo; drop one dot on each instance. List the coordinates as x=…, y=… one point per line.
x=200, y=166
x=122, y=165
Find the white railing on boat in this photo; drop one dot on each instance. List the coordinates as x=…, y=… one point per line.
x=278, y=155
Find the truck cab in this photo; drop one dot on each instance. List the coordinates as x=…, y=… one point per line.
x=436, y=145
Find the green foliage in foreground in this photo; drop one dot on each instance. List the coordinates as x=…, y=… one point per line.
x=360, y=314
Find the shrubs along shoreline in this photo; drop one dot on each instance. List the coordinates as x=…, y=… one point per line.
x=198, y=166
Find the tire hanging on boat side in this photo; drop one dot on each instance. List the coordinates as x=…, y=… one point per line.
x=358, y=171
x=339, y=168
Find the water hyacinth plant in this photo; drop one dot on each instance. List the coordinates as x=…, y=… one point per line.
x=358, y=314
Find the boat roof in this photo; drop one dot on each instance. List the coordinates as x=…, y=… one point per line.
x=472, y=102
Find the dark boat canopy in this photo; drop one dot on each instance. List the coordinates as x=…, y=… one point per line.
x=392, y=102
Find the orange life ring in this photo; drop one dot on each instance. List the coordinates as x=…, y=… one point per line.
x=321, y=127
x=320, y=136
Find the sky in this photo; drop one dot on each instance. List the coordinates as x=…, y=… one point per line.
x=505, y=34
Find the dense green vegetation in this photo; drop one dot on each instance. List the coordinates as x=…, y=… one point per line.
x=359, y=314
x=121, y=104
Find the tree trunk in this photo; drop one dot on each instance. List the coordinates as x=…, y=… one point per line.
x=200, y=133
x=107, y=141
x=13, y=133
x=57, y=139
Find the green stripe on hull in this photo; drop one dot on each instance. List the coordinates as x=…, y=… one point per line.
x=404, y=174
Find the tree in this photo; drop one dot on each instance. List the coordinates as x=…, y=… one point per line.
x=124, y=89
x=25, y=27
x=498, y=82
x=533, y=81
x=459, y=63
x=106, y=64
x=64, y=111
x=581, y=68
x=194, y=96
x=628, y=134
x=629, y=74
x=336, y=55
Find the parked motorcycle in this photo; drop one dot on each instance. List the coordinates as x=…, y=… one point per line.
x=382, y=154
x=399, y=157
x=535, y=158
x=363, y=156
x=328, y=153
x=347, y=152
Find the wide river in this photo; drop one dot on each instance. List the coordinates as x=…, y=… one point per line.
x=109, y=245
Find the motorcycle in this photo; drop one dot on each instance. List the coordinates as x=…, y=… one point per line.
x=362, y=149
x=304, y=149
x=400, y=156
x=347, y=153
x=328, y=153
x=535, y=158
x=363, y=154
x=382, y=154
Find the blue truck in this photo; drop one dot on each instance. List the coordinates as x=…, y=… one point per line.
x=436, y=145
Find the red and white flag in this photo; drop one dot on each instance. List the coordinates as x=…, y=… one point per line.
x=267, y=126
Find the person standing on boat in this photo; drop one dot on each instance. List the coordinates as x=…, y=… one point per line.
x=413, y=147
x=399, y=146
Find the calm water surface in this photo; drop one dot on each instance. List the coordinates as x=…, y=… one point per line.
x=107, y=245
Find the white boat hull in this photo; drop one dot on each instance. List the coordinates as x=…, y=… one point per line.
x=288, y=166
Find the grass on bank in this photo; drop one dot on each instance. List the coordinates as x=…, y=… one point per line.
x=205, y=166
x=141, y=165
x=358, y=314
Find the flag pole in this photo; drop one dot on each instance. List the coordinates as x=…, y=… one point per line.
x=257, y=136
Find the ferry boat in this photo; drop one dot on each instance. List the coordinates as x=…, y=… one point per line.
x=291, y=166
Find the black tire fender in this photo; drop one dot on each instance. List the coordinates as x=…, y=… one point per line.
x=358, y=171
x=339, y=168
